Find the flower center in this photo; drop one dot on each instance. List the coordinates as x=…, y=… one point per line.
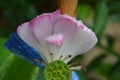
x=57, y=70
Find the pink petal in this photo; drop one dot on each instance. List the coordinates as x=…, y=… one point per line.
x=26, y=34
x=55, y=39
x=43, y=25
x=77, y=37
x=66, y=27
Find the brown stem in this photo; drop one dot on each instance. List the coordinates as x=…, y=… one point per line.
x=68, y=7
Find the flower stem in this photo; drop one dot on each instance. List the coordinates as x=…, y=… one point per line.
x=68, y=7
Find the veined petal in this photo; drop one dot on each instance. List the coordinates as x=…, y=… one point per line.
x=66, y=27
x=26, y=34
x=77, y=37
x=54, y=43
x=43, y=26
x=82, y=42
x=23, y=50
x=55, y=16
x=36, y=30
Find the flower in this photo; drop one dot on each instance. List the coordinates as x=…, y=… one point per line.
x=53, y=34
x=51, y=37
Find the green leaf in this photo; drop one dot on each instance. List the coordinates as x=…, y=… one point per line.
x=5, y=58
x=4, y=66
x=80, y=74
x=115, y=71
x=40, y=75
x=19, y=70
x=17, y=11
x=104, y=68
x=95, y=62
x=83, y=11
x=13, y=68
x=4, y=53
x=114, y=10
x=31, y=12
x=114, y=7
x=100, y=18
x=4, y=31
x=111, y=41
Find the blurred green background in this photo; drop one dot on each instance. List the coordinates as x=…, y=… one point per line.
x=102, y=16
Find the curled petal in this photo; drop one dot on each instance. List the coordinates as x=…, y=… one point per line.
x=26, y=33
x=23, y=50
x=42, y=27
x=83, y=41
x=66, y=27
x=77, y=37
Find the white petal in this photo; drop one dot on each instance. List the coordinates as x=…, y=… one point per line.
x=43, y=26
x=26, y=34
x=54, y=43
x=66, y=27
x=54, y=50
x=83, y=40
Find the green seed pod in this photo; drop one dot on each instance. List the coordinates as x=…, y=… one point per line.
x=57, y=70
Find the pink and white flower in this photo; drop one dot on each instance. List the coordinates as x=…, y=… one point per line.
x=57, y=36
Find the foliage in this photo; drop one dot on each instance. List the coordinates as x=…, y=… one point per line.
x=14, y=12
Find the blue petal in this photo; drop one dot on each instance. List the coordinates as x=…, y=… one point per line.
x=75, y=76
x=16, y=45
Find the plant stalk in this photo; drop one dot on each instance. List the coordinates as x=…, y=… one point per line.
x=68, y=7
